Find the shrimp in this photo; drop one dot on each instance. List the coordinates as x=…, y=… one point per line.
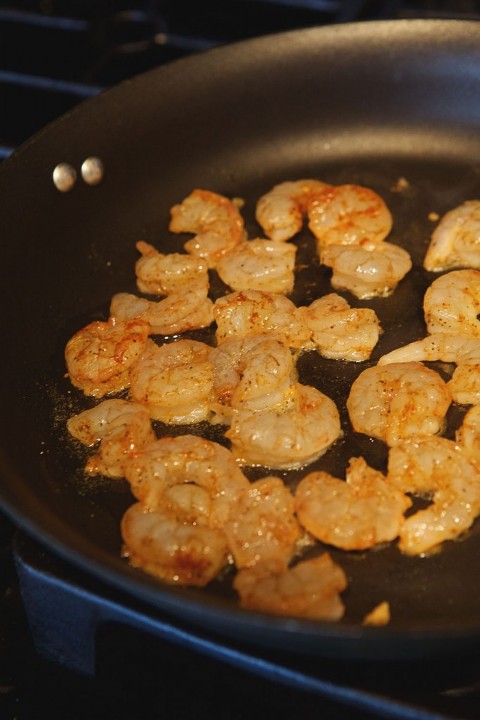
x=178, y=552
x=191, y=460
x=259, y=265
x=286, y=438
x=352, y=515
x=280, y=211
x=187, y=309
x=455, y=242
x=339, y=331
x=441, y=469
x=468, y=434
x=215, y=220
x=121, y=427
x=402, y=399
x=159, y=274
x=174, y=381
x=452, y=304
x=310, y=589
x=99, y=356
x=367, y=268
x=347, y=214
x=248, y=312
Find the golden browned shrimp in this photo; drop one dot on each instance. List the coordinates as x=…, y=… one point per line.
x=452, y=304
x=259, y=265
x=468, y=434
x=159, y=274
x=455, y=241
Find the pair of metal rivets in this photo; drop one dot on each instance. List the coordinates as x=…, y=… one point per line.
x=65, y=175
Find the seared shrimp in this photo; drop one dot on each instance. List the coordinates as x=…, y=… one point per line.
x=259, y=265
x=291, y=437
x=99, y=356
x=452, y=304
x=174, y=381
x=248, y=312
x=367, y=268
x=121, y=427
x=352, y=515
x=159, y=274
x=468, y=434
x=215, y=220
x=397, y=401
x=310, y=589
x=339, y=331
x=455, y=241
x=280, y=211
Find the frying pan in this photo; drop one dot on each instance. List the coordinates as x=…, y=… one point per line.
x=368, y=103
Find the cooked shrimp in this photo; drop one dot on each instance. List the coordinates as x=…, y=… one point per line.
x=170, y=461
x=452, y=304
x=366, y=269
x=468, y=434
x=259, y=265
x=280, y=211
x=352, y=515
x=121, y=427
x=215, y=220
x=174, y=381
x=465, y=385
x=188, y=309
x=244, y=313
x=168, y=548
x=455, y=241
x=397, y=401
x=292, y=437
x=254, y=372
x=310, y=589
x=347, y=214
x=99, y=356
x=159, y=274
x=441, y=469
x=339, y=331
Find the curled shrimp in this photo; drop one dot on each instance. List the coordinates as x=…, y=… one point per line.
x=310, y=589
x=468, y=434
x=251, y=311
x=99, y=356
x=121, y=427
x=159, y=274
x=355, y=514
x=455, y=242
x=173, y=381
x=286, y=438
x=280, y=211
x=396, y=401
x=254, y=372
x=452, y=304
x=339, y=331
x=367, y=268
x=259, y=265
x=215, y=220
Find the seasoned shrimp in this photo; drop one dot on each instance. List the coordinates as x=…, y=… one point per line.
x=465, y=385
x=291, y=437
x=174, y=381
x=215, y=220
x=468, y=434
x=352, y=515
x=339, y=331
x=452, y=304
x=254, y=372
x=99, y=356
x=347, y=214
x=280, y=211
x=159, y=274
x=178, y=552
x=397, y=401
x=455, y=242
x=259, y=265
x=248, y=312
x=441, y=469
x=310, y=589
x=121, y=427
x=187, y=309
x=366, y=269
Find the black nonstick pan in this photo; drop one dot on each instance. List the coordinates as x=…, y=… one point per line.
x=394, y=106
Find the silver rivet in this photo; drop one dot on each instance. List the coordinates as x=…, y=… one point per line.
x=92, y=170
x=64, y=177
